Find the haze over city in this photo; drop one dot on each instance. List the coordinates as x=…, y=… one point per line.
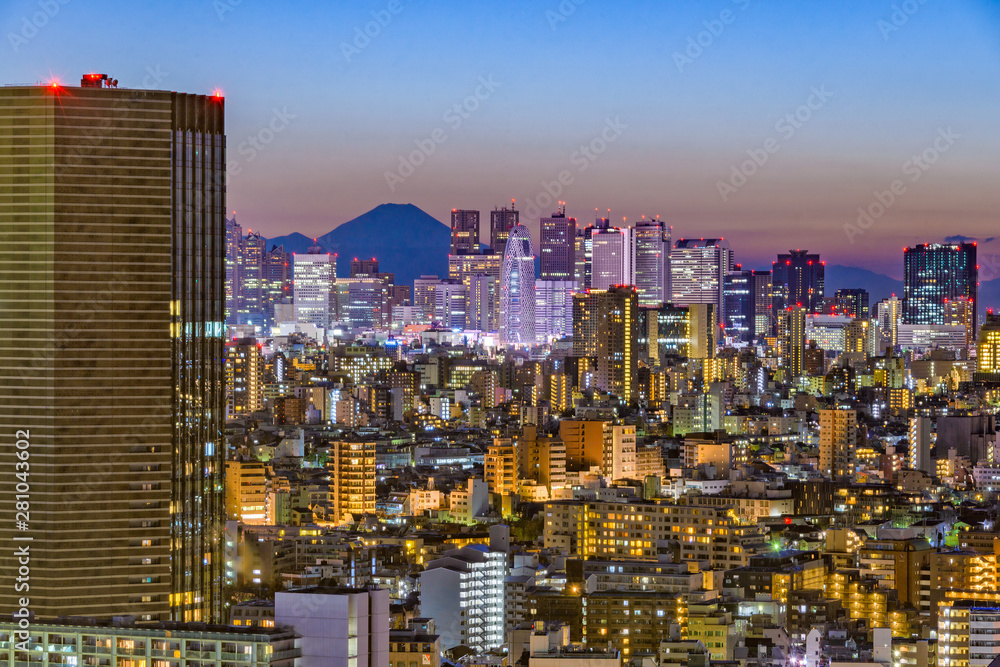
x=695, y=89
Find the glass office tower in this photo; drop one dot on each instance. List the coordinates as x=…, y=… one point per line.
x=112, y=267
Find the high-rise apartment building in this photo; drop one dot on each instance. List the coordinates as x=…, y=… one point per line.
x=502, y=222
x=246, y=492
x=792, y=339
x=464, y=232
x=517, y=290
x=337, y=626
x=698, y=269
x=606, y=326
x=500, y=467
x=112, y=256
x=314, y=296
x=466, y=584
x=244, y=378
x=838, y=438
x=352, y=475
x=961, y=312
x=934, y=273
x=651, y=262
x=988, y=350
x=798, y=278
x=557, y=246
x=889, y=315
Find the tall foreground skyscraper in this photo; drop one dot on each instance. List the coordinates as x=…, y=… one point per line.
x=112, y=249
x=517, y=290
x=934, y=273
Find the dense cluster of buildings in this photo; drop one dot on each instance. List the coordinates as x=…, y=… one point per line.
x=640, y=455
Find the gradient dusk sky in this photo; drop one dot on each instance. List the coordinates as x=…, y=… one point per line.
x=683, y=92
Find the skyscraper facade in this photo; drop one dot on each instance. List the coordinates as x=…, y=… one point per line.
x=747, y=305
x=738, y=314
x=424, y=298
x=250, y=302
x=484, y=297
x=612, y=258
x=792, y=339
x=852, y=302
x=698, y=269
x=583, y=251
x=315, y=274
x=553, y=309
x=112, y=255
x=652, y=246
x=277, y=285
x=934, y=273
x=244, y=377
x=502, y=221
x=517, y=290
x=464, y=232
x=558, y=241
x=763, y=304
x=617, y=353
x=451, y=298
x=606, y=326
x=798, y=278
x=234, y=257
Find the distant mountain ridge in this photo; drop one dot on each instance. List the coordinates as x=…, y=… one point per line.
x=403, y=238
x=879, y=285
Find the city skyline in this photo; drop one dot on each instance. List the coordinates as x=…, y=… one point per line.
x=872, y=90
x=257, y=414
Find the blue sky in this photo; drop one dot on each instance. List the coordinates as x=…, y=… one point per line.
x=893, y=75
